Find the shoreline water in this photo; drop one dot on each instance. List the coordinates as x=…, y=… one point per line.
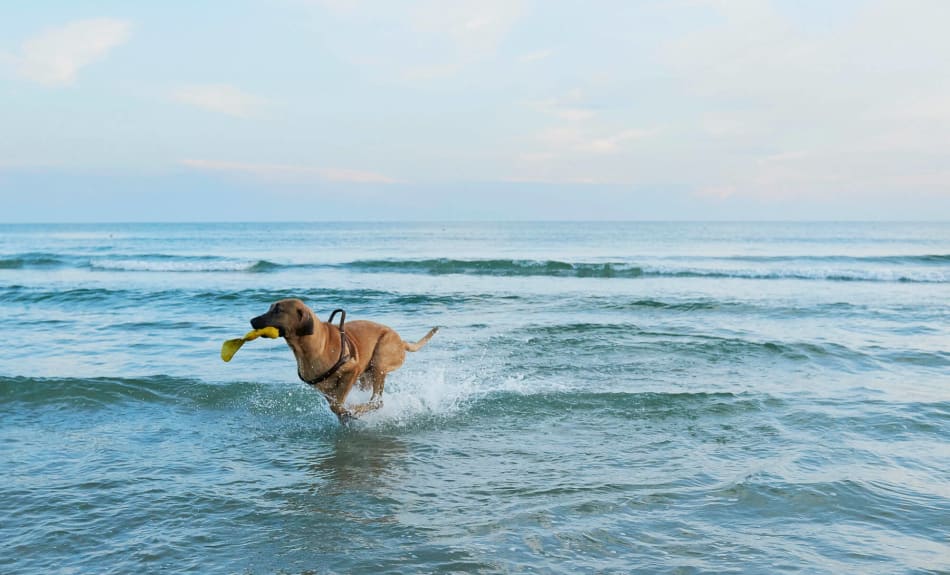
x=571, y=415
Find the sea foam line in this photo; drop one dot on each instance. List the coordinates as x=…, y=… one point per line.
x=926, y=268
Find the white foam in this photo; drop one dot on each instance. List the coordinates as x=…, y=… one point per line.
x=170, y=265
x=414, y=394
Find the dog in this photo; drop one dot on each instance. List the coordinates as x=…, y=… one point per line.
x=333, y=362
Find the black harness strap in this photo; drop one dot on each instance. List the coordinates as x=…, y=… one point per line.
x=344, y=352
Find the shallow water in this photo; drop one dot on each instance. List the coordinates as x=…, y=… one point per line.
x=602, y=398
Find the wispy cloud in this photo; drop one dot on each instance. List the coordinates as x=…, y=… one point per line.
x=434, y=72
x=55, y=56
x=476, y=27
x=611, y=143
x=290, y=171
x=220, y=98
x=715, y=192
x=466, y=31
x=535, y=56
x=578, y=130
x=853, y=131
x=339, y=6
x=553, y=180
x=564, y=108
x=423, y=40
x=581, y=145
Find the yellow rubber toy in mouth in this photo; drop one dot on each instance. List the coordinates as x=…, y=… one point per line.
x=230, y=347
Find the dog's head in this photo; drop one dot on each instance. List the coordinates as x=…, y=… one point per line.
x=290, y=317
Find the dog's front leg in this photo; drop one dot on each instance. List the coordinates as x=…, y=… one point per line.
x=340, y=411
x=337, y=398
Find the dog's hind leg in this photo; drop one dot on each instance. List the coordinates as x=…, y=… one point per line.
x=377, y=379
x=388, y=356
x=358, y=410
x=365, y=381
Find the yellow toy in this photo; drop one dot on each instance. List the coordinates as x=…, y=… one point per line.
x=230, y=347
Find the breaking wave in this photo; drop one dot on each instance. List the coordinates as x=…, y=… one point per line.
x=926, y=268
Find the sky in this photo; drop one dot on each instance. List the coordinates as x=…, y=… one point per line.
x=311, y=110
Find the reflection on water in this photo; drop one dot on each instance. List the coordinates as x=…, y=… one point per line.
x=360, y=462
x=344, y=518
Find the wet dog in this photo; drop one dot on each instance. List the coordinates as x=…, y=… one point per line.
x=334, y=362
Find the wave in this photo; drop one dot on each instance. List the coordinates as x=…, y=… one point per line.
x=684, y=306
x=926, y=268
x=736, y=306
x=432, y=397
x=142, y=263
x=263, y=266
x=498, y=267
x=622, y=404
x=511, y=397
x=891, y=260
x=322, y=298
x=622, y=346
x=556, y=268
x=102, y=392
x=380, y=300
x=422, y=401
x=30, y=260
x=851, y=498
x=171, y=263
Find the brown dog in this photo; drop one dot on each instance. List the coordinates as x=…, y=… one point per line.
x=371, y=351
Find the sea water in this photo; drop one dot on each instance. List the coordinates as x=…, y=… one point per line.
x=601, y=398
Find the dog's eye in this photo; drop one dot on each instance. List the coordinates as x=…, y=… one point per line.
x=276, y=308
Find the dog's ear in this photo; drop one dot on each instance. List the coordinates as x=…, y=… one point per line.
x=304, y=322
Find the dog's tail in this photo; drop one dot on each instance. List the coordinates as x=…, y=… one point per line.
x=418, y=345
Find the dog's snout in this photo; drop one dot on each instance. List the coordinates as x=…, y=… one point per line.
x=258, y=322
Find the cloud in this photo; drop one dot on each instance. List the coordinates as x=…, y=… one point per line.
x=220, y=98
x=583, y=145
x=715, y=192
x=55, y=56
x=434, y=72
x=582, y=181
x=462, y=31
x=419, y=41
x=290, y=172
x=579, y=130
x=338, y=6
x=799, y=103
x=476, y=27
x=535, y=56
x=564, y=108
x=611, y=143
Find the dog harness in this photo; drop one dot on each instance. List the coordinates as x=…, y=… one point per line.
x=344, y=352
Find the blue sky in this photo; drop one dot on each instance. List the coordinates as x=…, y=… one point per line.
x=474, y=109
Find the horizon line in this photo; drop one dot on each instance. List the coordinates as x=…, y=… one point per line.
x=477, y=221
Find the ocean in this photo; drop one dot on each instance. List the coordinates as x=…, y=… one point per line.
x=601, y=398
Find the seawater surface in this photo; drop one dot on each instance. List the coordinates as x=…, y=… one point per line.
x=602, y=398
